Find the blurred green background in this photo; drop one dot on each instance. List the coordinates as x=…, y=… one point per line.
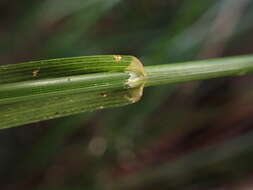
x=195, y=135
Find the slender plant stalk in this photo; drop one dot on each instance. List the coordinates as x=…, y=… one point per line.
x=198, y=70
x=47, y=89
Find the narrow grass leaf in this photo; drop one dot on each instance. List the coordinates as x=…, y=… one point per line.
x=41, y=90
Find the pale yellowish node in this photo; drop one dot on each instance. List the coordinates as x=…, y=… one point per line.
x=136, y=66
x=136, y=81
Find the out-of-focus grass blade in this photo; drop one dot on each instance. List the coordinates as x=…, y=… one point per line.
x=199, y=165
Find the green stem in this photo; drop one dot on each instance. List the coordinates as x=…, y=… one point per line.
x=198, y=70
x=47, y=89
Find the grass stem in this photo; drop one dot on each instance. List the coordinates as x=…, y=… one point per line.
x=47, y=89
x=198, y=70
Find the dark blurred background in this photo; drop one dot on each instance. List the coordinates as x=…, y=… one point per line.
x=195, y=135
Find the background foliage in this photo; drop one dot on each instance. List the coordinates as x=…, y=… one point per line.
x=193, y=135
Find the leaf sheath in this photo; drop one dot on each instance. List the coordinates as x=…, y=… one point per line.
x=41, y=90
